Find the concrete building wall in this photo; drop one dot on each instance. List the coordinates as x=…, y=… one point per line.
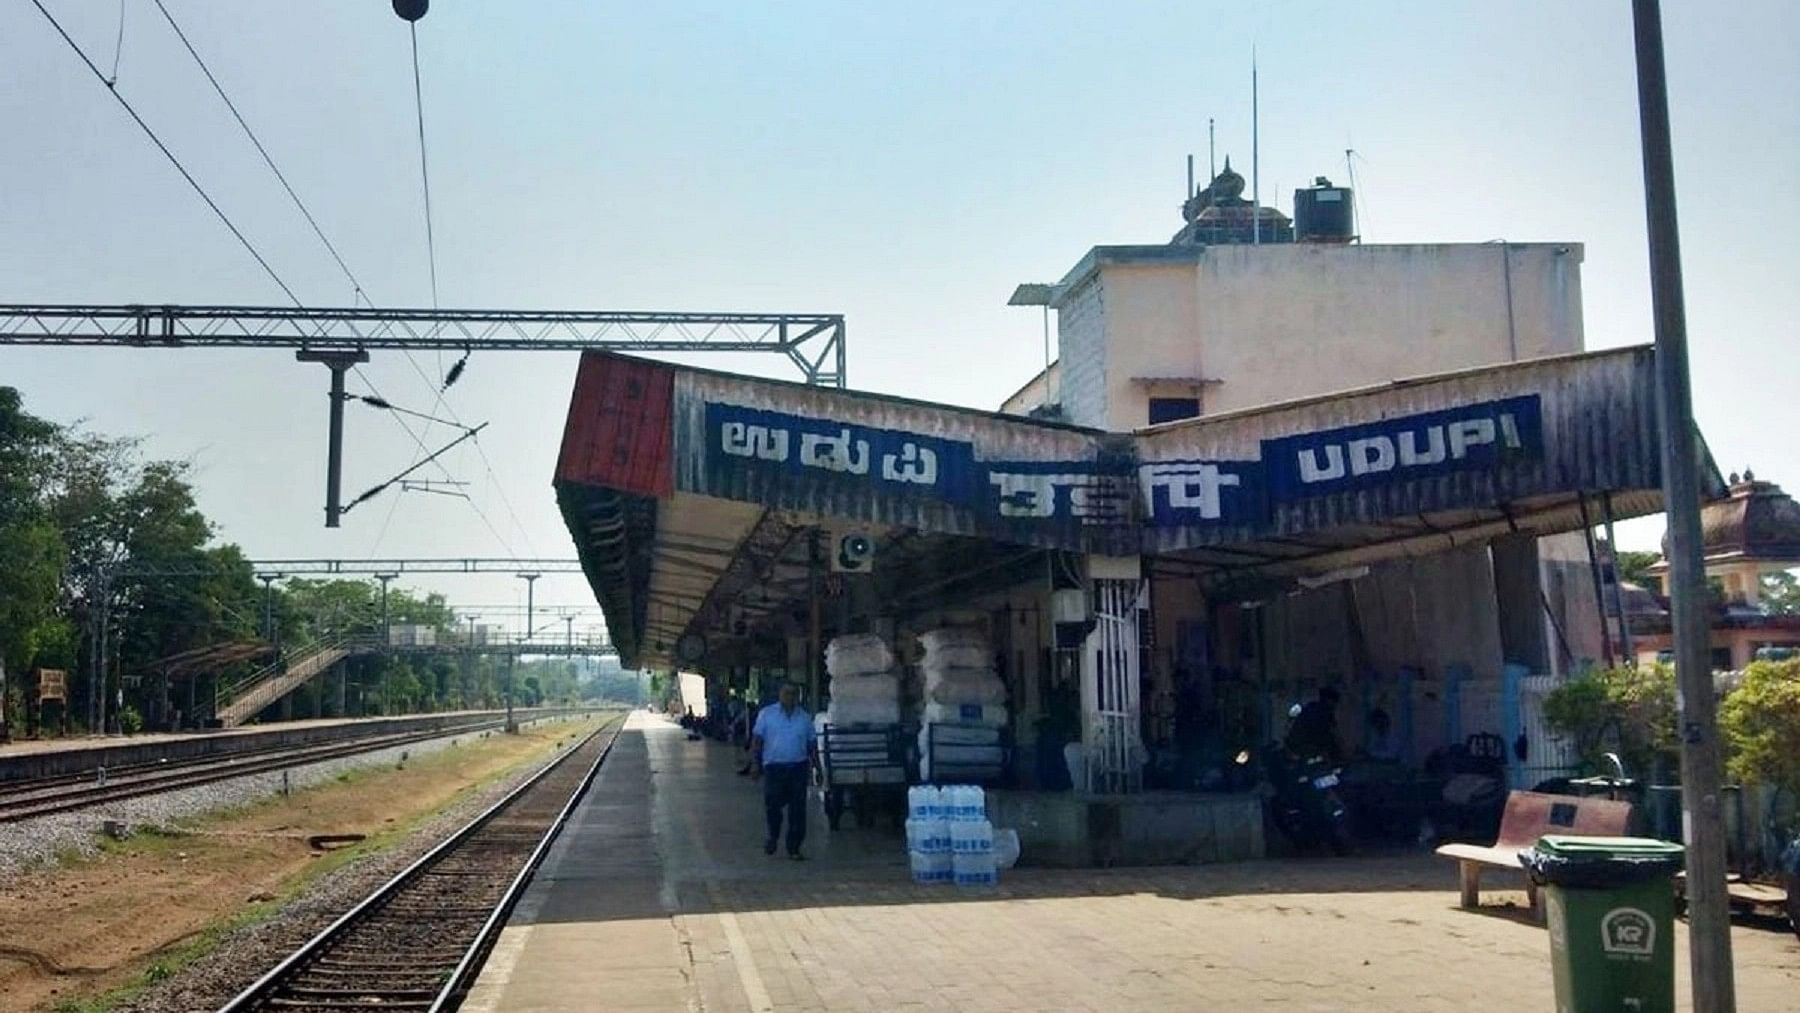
x=1577, y=636
x=1418, y=638
x=1279, y=322
x=1263, y=324
x=1152, y=338
x=1082, y=355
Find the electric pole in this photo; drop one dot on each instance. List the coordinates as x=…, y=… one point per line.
x=530, y=580
x=387, y=641
x=1709, y=915
x=339, y=362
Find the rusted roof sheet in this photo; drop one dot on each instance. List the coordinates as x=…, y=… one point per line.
x=1480, y=439
x=1403, y=468
x=617, y=434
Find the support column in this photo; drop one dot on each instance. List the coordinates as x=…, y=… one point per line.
x=338, y=363
x=1518, y=599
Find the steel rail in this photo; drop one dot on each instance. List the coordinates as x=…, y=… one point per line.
x=14, y=809
x=265, y=988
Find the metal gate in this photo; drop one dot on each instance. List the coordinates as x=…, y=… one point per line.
x=1109, y=689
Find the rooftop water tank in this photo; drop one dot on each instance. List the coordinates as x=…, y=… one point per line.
x=1323, y=213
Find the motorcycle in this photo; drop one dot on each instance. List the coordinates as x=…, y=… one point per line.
x=1305, y=805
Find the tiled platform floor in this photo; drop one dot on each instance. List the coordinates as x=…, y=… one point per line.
x=658, y=897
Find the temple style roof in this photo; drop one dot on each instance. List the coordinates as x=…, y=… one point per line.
x=1755, y=522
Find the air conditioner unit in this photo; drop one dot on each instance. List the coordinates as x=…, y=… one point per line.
x=852, y=552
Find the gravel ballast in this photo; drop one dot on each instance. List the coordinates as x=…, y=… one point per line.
x=249, y=951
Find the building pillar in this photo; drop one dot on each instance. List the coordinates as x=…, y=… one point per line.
x=1518, y=596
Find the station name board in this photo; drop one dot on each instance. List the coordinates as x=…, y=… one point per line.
x=1114, y=490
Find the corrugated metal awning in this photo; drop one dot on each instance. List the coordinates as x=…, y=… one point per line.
x=670, y=475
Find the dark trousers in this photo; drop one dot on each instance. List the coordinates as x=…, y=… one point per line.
x=784, y=787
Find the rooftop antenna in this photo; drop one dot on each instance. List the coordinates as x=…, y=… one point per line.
x=1190, y=187
x=1255, y=161
x=1350, y=157
x=1212, y=157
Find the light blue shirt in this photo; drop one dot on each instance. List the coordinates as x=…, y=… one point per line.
x=785, y=737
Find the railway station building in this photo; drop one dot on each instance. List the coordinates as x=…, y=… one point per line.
x=1256, y=468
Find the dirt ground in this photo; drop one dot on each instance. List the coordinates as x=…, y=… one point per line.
x=82, y=928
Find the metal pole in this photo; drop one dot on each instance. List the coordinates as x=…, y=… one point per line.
x=1255, y=159
x=338, y=363
x=1593, y=554
x=530, y=580
x=1612, y=542
x=387, y=641
x=511, y=726
x=1709, y=917
x=813, y=648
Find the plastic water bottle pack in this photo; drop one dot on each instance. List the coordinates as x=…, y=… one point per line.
x=932, y=868
x=972, y=837
x=949, y=837
x=968, y=869
x=928, y=836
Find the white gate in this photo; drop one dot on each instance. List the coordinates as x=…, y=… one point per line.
x=1109, y=689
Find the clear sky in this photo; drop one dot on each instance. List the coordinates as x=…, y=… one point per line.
x=905, y=165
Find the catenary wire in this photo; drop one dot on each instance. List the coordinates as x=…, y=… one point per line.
x=425, y=181
x=356, y=283
x=264, y=152
x=170, y=155
x=118, y=46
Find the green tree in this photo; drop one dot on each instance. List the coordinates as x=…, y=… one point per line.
x=1781, y=593
x=1627, y=710
x=32, y=553
x=1761, y=721
x=1634, y=567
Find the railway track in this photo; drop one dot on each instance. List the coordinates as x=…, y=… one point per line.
x=418, y=941
x=22, y=800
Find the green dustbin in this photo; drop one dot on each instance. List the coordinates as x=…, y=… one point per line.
x=1610, y=906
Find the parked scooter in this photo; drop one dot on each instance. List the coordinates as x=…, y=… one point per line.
x=1305, y=805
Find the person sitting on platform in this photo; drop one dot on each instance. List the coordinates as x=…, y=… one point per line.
x=1381, y=743
x=783, y=746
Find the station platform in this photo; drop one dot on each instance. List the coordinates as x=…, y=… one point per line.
x=657, y=896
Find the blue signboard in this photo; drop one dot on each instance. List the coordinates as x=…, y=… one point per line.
x=897, y=462
x=1469, y=437
x=1114, y=489
x=1182, y=494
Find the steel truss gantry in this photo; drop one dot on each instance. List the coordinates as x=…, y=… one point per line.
x=814, y=342
x=341, y=339
x=278, y=569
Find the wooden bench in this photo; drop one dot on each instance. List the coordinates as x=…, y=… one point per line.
x=1530, y=815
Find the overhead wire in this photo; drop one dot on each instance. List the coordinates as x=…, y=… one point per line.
x=118, y=47
x=256, y=254
x=269, y=160
x=170, y=155
x=425, y=181
x=357, y=287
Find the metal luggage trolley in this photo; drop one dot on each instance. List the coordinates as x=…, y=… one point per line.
x=863, y=767
x=958, y=753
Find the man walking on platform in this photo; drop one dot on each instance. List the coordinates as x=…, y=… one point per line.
x=783, y=746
